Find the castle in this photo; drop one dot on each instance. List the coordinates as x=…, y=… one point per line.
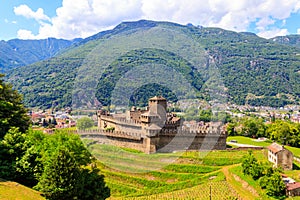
x=155, y=130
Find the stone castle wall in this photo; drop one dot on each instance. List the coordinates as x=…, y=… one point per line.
x=164, y=141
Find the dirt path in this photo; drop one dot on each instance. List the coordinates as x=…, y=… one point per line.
x=244, y=190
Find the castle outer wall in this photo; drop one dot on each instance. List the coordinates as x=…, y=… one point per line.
x=154, y=130
x=162, y=142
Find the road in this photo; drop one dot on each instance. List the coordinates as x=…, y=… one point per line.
x=240, y=145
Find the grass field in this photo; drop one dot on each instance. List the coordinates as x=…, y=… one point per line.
x=250, y=141
x=14, y=191
x=296, y=151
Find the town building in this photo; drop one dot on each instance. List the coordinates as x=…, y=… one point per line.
x=293, y=189
x=280, y=156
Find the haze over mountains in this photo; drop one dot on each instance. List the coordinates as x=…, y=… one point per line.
x=254, y=70
x=16, y=52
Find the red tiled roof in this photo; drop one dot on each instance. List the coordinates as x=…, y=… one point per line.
x=275, y=148
x=292, y=186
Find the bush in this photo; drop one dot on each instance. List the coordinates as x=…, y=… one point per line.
x=263, y=182
x=85, y=123
x=275, y=185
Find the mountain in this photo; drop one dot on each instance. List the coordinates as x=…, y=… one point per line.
x=292, y=40
x=210, y=63
x=15, y=53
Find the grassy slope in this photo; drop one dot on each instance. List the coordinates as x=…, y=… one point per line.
x=250, y=141
x=238, y=185
x=14, y=191
x=186, y=178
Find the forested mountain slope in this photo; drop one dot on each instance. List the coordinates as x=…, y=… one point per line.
x=254, y=70
x=292, y=40
x=16, y=52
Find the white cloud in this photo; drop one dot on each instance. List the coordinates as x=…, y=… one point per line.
x=273, y=33
x=263, y=23
x=24, y=10
x=82, y=18
x=7, y=21
x=25, y=34
x=298, y=31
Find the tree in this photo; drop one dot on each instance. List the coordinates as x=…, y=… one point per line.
x=55, y=164
x=253, y=127
x=12, y=148
x=65, y=178
x=205, y=115
x=91, y=185
x=263, y=181
x=248, y=162
x=60, y=176
x=275, y=185
x=256, y=171
x=84, y=123
x=231, y=128
x=12, y=111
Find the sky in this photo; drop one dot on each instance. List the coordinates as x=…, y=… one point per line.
x=69, y=19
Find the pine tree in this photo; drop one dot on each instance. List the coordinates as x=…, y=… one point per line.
x=12, y=111
x=59, y=179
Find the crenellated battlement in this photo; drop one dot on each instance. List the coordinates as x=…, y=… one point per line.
x=120, y=120
x=153, y=128
x=197, y=133
x=119, y=134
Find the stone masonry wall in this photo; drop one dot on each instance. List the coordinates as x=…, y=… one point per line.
x=158, y=143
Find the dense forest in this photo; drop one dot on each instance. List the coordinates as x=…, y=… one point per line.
x=254, y=70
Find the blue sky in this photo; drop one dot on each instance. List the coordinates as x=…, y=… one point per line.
x=10, y=23
x=37, y=19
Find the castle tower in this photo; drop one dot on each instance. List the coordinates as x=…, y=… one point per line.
x=156, y=116
x=156, y=103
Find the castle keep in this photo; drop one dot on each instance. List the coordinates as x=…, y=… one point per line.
x=154, y=130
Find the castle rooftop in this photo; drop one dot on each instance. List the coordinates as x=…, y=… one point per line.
x=157, y=98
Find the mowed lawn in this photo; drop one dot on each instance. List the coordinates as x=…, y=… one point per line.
x=251, y=141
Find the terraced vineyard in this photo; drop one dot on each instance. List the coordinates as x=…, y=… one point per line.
x=181, y=175
x=215, y=190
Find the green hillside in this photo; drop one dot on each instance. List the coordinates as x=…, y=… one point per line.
x=189, y=175
x=249, y=69
x=16, y=52
x=291, y=40
x=12, y=191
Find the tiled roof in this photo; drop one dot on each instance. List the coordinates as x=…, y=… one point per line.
x=157, y=98
x=275, y=148
x=292, y=186
x=150, y=114
x=154, y=127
